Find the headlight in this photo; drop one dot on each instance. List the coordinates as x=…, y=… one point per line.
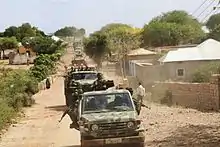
x=94, y=127
x=130, y=125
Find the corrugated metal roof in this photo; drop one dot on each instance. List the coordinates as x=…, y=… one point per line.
x=140, y=51
x=208, y=50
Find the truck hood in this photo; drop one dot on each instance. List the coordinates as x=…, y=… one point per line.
x=110, y=117
x=83, y=82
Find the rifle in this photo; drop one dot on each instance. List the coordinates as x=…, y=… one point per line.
x=64, y=114
x=143, y=105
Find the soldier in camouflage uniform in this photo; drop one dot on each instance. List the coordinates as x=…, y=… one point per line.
x=71, y=111
x=100, y=83
x=74, y=96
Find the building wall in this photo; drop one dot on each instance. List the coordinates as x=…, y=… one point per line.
x=147, y=75
x=140, y=58
x=189, y=67
x=203, y=96
x=167, y=72
x=23, y=50
x=19, y=59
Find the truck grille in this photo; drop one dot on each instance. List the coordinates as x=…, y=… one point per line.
x=118, y=129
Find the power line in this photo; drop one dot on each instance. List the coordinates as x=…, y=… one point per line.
x=206, y=8
x=213, y=11
x=199, y=6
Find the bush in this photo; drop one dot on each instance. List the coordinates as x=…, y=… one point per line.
x=6, y=114
x=16, y=90
x=45, y=65
x=18, y=86
x=204, y=73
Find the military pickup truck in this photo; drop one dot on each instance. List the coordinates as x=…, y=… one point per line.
x=109, y=118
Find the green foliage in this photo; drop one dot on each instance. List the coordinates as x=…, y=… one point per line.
x=8, y=43
x=44, y=65
x=18, y=86
x=25, y=30
x=96, y=46
x=178, y=17
x=172, y=28
x=42, y=45
x=215, y=33
x=112, y=38
x=16, y=90
x=70, y=31
x=204, y=73
x=213, y=22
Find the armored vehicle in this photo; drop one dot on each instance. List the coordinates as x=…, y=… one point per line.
x=109, y=118
x=85, y=79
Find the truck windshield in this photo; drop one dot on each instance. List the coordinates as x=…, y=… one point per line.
x=107, y=102
x=84, y=76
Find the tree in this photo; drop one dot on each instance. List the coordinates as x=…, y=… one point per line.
x=213, y=22
x=172, y=28
x=109, y=27
x=7, y=43
x=11, y=31
x=115, y=38
x=122, y=36
x=82, y=32
x=25, y=30
x=66, y=31
x=215, y=33
x=42, y=45
x=95, y=46
x=162, y=34
x=178, y=17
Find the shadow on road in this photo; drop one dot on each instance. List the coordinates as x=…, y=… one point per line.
x=57, y=108
x=201, y=135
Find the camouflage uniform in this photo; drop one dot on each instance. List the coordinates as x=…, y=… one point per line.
x=99, y=84
x=72, y=114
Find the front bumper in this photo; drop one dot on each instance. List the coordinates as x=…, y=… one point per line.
x=111, y=141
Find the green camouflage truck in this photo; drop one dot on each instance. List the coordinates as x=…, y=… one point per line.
x=109, y=118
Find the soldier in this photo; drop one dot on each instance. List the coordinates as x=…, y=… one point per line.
x=140, y=96
x=99, y=84
x=48, y=84
x=72, y=114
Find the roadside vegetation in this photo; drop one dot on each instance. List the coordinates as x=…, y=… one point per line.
x=204, y=73
x=168, y=29
x=18, y=86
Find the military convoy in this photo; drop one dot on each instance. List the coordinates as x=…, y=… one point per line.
x=105, y=115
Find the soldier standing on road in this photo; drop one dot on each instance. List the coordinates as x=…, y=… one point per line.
x=72, y=114
x=140, y=96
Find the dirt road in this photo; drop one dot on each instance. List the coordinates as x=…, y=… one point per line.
x=166, y=127
x=40, y=127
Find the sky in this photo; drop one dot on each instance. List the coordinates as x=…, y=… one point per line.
x=50, y=15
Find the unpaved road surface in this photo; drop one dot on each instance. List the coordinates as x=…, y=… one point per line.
x=40, y=127
x=166, y=126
